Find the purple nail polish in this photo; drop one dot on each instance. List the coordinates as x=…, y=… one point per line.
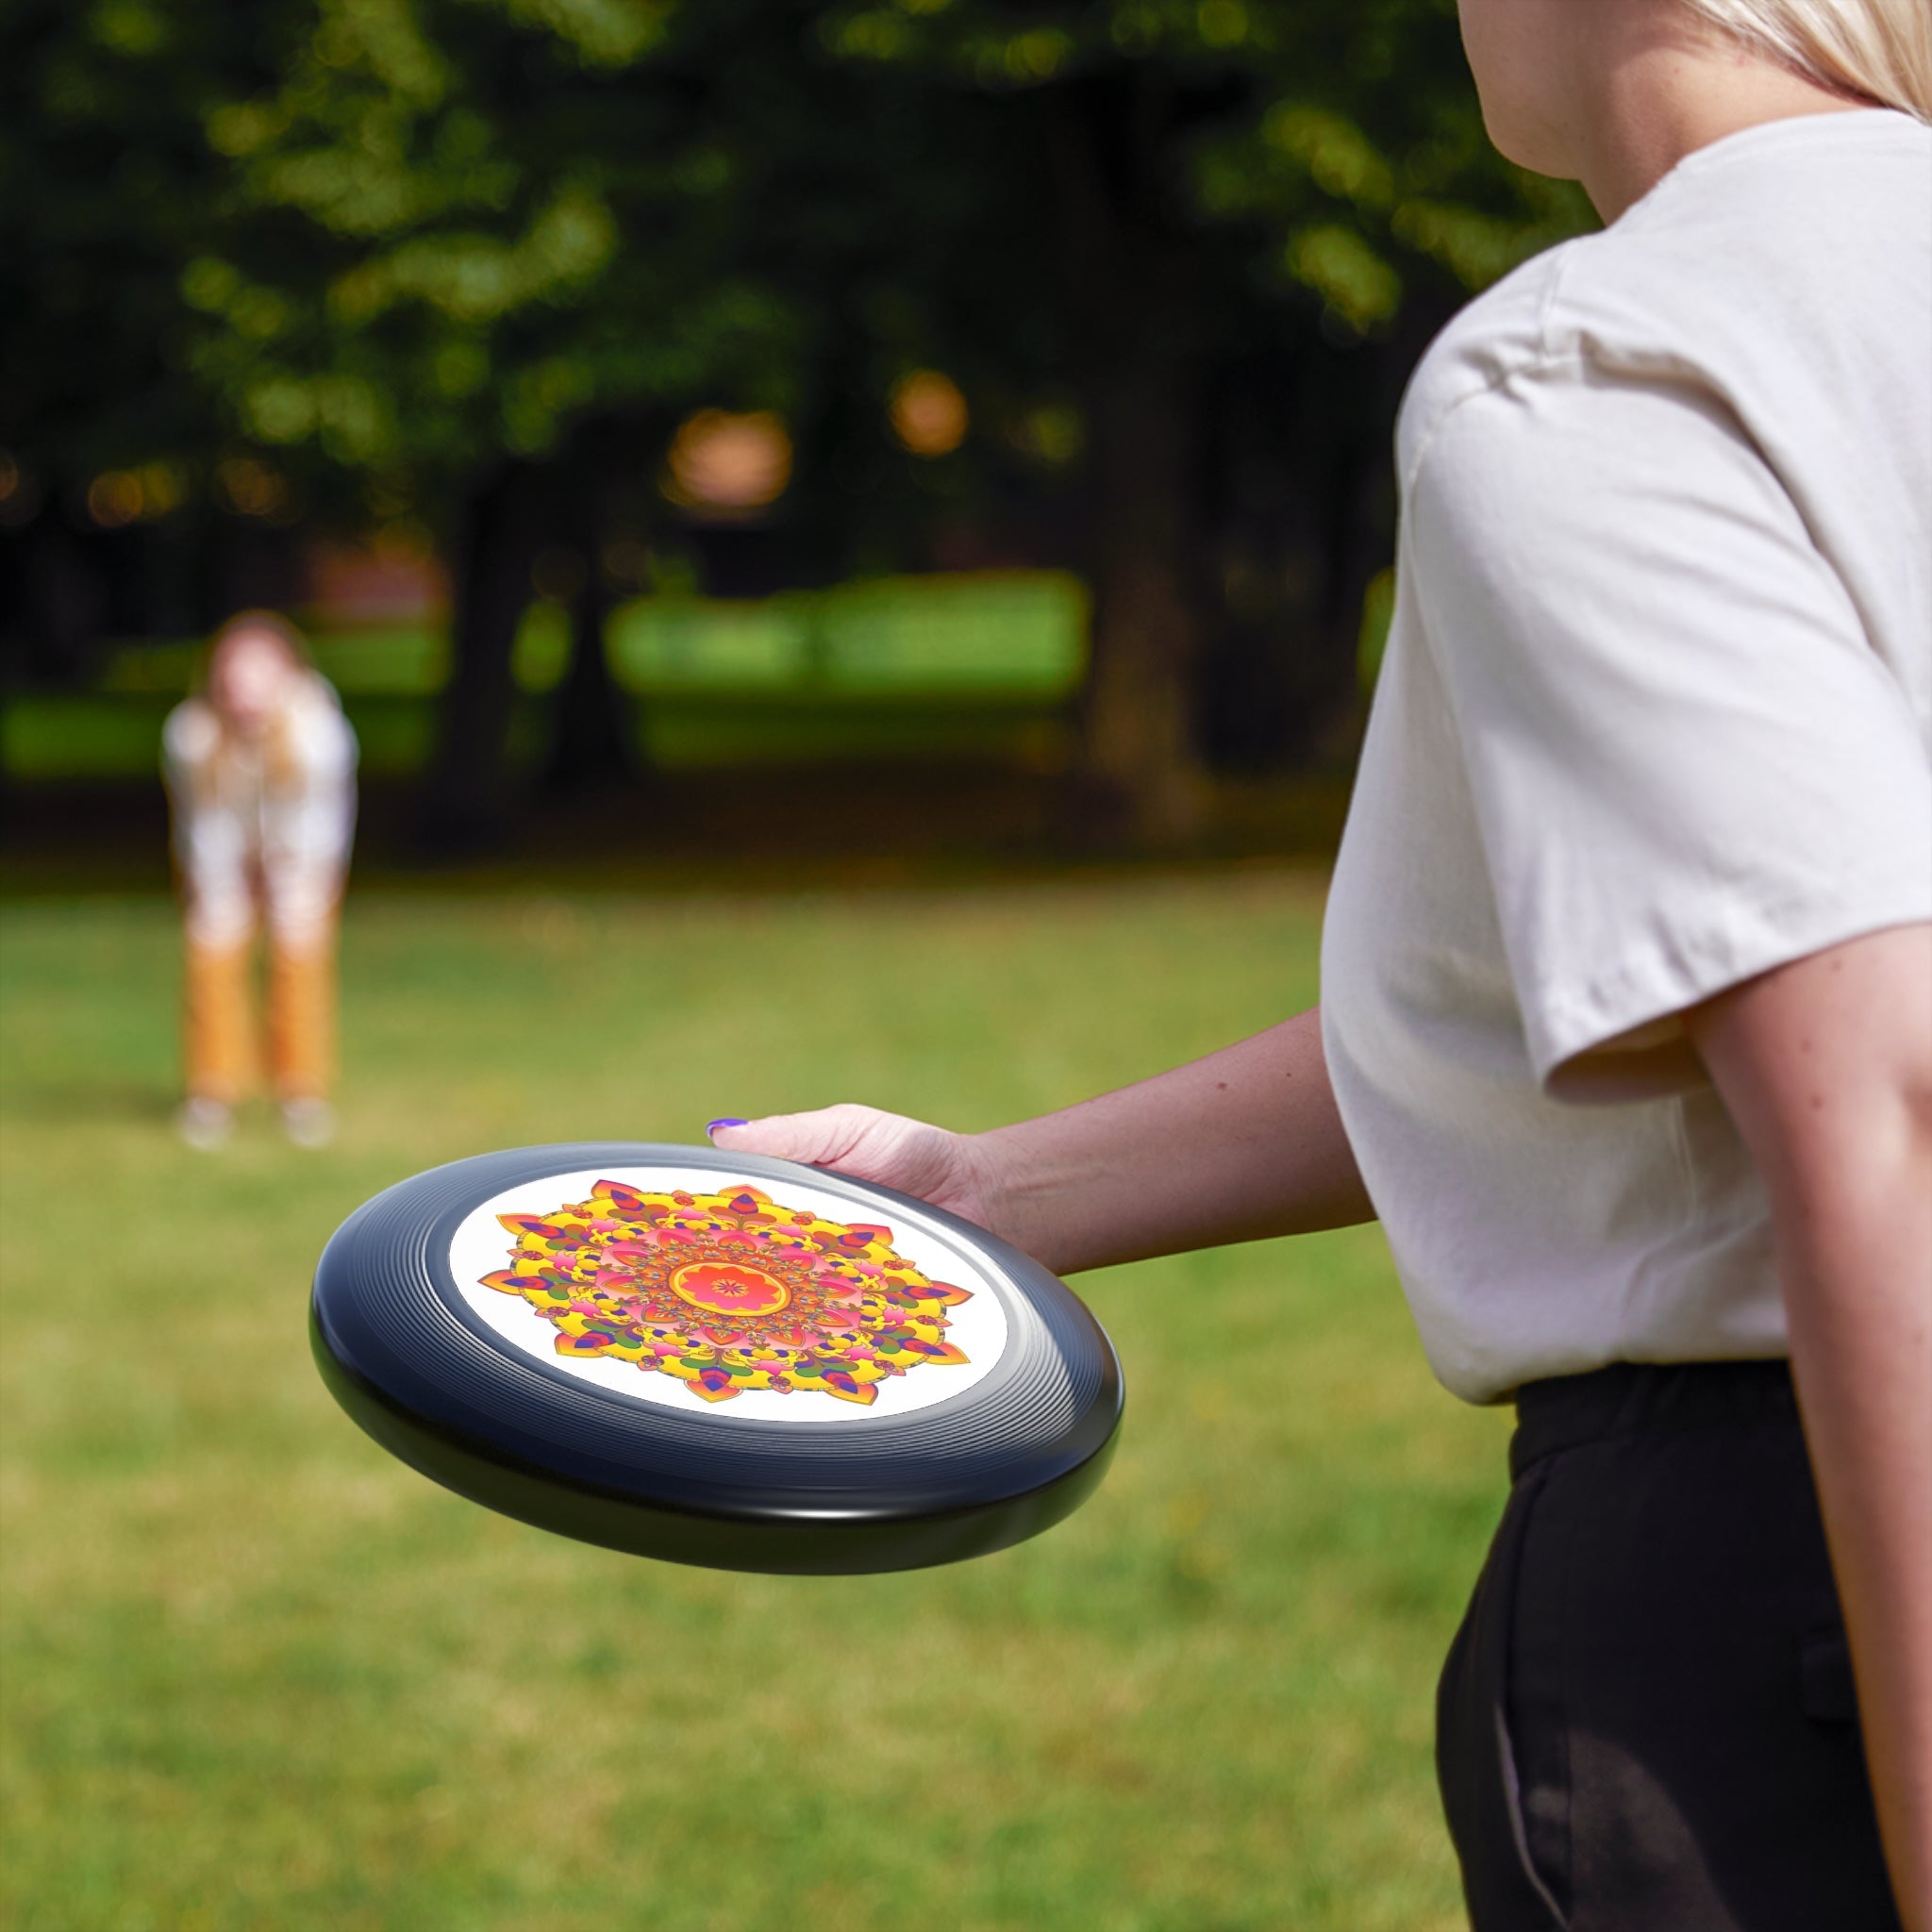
x=714, y=1125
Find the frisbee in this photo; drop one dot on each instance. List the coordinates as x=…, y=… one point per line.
x=715, y=1359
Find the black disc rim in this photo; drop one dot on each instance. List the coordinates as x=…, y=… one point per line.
x=422, y=1372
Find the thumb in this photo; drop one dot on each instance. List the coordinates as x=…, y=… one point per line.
x=819, y=1138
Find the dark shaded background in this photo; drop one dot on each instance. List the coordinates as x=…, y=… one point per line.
x=389, y=314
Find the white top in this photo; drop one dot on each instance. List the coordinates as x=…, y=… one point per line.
x=1655, y=716
x=271, y=819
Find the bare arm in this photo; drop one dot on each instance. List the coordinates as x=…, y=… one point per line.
x=1826, y=1067
x=1240, y=1145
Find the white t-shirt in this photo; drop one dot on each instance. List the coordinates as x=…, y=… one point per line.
x=1655, y=716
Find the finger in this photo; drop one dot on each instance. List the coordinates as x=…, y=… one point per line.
x=817, y=1139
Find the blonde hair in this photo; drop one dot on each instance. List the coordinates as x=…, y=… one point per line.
x=1879, y=50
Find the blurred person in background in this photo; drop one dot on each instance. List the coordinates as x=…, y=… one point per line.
x=260, y=768
x=1627, y=1022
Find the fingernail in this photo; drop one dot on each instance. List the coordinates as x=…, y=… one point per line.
x=714, y=1125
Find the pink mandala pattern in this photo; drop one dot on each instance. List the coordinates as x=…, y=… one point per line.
x=730, y=1291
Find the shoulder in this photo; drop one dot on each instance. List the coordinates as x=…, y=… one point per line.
x=1608, y=308
x=1753, y=268
x=1497, y=336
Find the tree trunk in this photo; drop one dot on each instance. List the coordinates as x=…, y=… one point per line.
x=467, y=800
x=1359, y=484
x=593, y=743
x=63, y=600
x=1133, y=306
x=591, y=740
x=1141, y=742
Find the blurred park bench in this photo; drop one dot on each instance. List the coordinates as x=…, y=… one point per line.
x=983, y=665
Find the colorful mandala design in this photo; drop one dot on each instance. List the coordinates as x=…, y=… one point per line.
x=728, y=1291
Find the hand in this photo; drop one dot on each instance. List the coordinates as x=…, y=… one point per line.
x=949, y=1169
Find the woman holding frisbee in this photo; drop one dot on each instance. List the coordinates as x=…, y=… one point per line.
x=260, y=767
x=1627, y=1030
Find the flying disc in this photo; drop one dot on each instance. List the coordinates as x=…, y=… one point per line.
x=715, y=1359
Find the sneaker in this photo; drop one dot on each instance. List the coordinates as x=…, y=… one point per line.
x=204, y=1123
x=308, y=1122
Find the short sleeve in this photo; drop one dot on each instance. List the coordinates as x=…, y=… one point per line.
x=1688, y=761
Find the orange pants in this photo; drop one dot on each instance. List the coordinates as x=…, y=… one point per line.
x=222, y=1045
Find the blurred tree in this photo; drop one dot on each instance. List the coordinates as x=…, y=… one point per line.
x=1236, y=193
x=512, y=229
x=530, y=238
x=106, y=189
x=469, y=262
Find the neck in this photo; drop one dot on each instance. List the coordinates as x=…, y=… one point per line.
x=1661, y=94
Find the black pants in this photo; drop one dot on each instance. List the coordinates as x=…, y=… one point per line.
x=1646, y=1721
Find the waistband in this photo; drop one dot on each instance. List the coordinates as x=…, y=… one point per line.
x=1637, y=1398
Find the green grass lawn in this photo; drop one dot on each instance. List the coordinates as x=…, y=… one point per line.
x=256, y=1675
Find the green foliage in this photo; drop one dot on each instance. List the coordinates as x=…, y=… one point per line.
x=396, y=239
x=499, y=238
x=259, y=1675
x=106, y=189
x=1347, y=133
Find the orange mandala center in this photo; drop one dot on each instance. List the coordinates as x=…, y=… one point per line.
x=730, y=1288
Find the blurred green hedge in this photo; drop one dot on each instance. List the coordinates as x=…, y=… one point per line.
x=980, y=665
